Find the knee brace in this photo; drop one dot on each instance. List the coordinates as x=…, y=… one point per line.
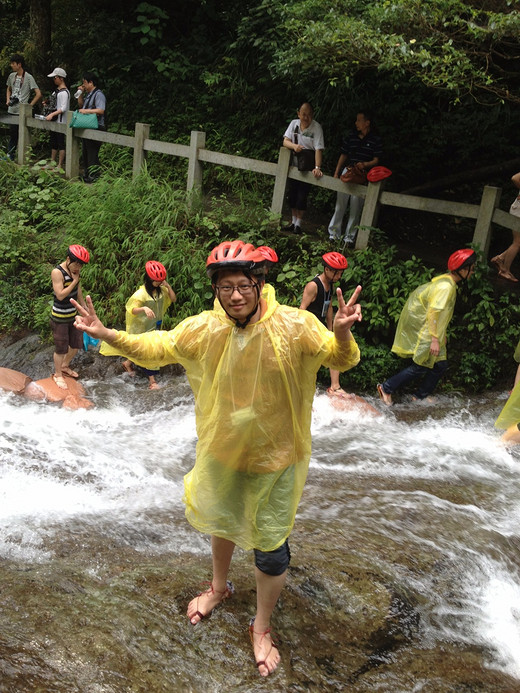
x=273, y=562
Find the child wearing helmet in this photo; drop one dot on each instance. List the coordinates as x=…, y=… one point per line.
x=421, y=330
x=252, y=366
x=145, y=311
x=317, y=299
x=65, y=279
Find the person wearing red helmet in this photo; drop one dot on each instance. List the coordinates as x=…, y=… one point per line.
x=317, y=299
x=252, y=367
x=65, y=279
x=145, y=311
x=421, y=330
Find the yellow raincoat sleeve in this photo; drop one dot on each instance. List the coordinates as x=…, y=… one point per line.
x=426, y=314
x=510, y=414
x=140, y=323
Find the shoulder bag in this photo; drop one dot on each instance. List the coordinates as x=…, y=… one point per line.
x=354, y=175
x=304, y=159
x=87, y=121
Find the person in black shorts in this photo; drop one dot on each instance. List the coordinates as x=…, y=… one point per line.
x=67, y=339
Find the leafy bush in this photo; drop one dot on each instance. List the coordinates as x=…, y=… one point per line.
x=126, y=221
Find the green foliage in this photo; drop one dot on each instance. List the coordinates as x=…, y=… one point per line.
x=126, y=221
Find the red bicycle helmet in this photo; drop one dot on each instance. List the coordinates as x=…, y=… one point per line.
x=155, y=270
x=268, y=253
x=461, y=258
x=235, y=255
x=79, y=254
x=335, y=261
x=378, y=173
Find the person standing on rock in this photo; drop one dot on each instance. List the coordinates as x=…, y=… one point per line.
x=67, y=339
x=252, y=367
x=317, y=298
x=145, y=311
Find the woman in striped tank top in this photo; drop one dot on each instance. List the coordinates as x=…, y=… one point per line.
x=67, y=339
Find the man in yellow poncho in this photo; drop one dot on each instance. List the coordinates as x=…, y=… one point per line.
x=252, y=366
x=422, y=326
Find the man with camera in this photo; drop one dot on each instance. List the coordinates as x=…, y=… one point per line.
x=20, y=85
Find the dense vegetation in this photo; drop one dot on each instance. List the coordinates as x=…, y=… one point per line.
x=124, y=222
x=442, y=79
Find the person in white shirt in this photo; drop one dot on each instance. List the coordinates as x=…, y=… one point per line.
x=303, y=133
x=58, y=107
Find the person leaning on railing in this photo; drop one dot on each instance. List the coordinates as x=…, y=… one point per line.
x=91, y=100
x=20, y=85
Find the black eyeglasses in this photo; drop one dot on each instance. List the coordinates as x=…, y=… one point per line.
x=243, y=289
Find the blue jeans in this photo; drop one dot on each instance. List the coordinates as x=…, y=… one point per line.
x=430, y=378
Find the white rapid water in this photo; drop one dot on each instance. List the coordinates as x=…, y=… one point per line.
x=434, y=502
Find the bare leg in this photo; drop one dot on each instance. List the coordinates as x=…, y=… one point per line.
x=268, y=589
x=129, y=367
x=222, y=552
x=334, y=381
x=504, y=260
x=68, y=357
x=61, y=160
x=58, y=375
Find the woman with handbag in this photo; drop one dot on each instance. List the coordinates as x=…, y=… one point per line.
x=504, y=261
x=305, y=137
x=92, y=100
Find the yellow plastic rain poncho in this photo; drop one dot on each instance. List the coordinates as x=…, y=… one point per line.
x=426, y=314
x=510, y=414
x=253, y=392
x=137, y=324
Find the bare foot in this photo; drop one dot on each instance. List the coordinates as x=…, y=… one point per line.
x=60, y=381
x=127, y=366
x=338, y=392
x=69, y=371
x=204, y=603
x=267, y=656
x=154, y=386
x=387, y=399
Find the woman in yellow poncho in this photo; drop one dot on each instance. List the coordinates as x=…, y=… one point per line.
x=252, y=367
x=509, y=417
x=145, y=311
x=422, y=326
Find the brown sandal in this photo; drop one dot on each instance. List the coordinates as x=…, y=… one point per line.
x=505, y=274
x=225, y=595
x=252, y=632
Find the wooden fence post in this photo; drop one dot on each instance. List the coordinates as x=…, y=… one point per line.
x=142, y=133
x=280, y=181
x=369, y=213
x=24, y=136
x=71, y=150
x=197, y=141
x=482, y=235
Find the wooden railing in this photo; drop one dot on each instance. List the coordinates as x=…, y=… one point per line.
x=485, y=214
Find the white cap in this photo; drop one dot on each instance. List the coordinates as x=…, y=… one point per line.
x=58, y=72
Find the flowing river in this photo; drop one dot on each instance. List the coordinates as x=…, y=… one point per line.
x=405, y=573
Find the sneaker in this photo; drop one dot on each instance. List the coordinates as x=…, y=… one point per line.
x=385, y=397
